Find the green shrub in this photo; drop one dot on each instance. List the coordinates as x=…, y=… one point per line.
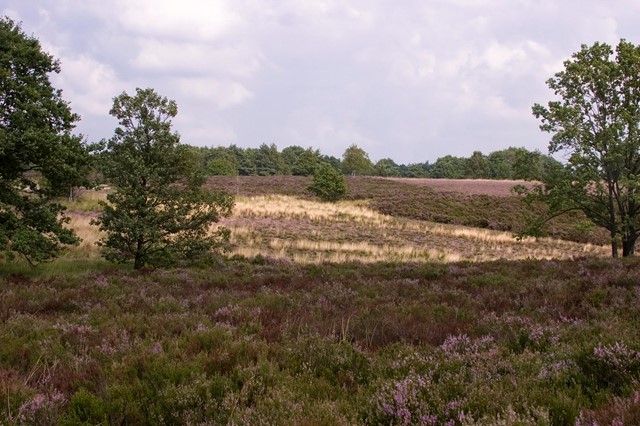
x=328, y=184
x=86, y=408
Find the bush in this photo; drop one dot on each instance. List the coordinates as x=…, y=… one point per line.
x=328, y=184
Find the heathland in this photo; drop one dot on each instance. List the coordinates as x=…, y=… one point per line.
x=410, y=302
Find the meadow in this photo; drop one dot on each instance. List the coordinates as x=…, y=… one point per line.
x=359, y=312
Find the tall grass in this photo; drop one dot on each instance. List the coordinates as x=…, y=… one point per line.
x=309, y=231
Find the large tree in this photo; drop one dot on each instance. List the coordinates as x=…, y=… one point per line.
x=595, y=121
x=158, y=212
x=39, y=156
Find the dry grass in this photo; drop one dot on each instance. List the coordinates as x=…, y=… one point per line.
x=89, y=234
x=307, y=232
x=87, y=201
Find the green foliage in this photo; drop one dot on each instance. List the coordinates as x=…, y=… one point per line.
x=511, y=163
x=306, y=163
x=415, y=170
x=386, y=167
x=328, y=184
x=85, y=408
x=300, y=161
x=158, y=213
x=449, y=167
x=39, y=157
x=335, y=162
x=268, y=161
x=477, y=166
x=272, y=342
x=220, y=162
x=355, y=162
x=596, y=122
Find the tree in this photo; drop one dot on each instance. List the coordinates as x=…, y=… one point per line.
x=221, y=161
x=596, y=122
x=328, y=184
x=269, y=161
x=39, y=156
x=477, y=166
x=335, y=162
x=500, y=164
x=386, y=168
x=245, y=159
x=449, y=167
x=158, y=212
x=300, y=161
x=307, y=163
x=291, y=154
x=355, y=161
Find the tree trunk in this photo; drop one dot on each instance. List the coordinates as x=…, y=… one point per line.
x=138, y=263
x=614, y=242
x=629, y=246
x=612, y=220
x=139, y=258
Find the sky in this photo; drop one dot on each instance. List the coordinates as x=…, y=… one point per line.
x=410, y=80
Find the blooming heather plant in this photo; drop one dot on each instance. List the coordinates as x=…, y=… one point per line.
x=41, y=409
x=260, y=341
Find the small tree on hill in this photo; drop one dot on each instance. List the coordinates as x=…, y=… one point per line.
x=328, y=184
x=158, y=213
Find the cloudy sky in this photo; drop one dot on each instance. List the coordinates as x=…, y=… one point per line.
x=411, y=80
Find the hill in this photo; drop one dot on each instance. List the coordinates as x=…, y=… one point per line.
x=329, y=314
x=485, y=204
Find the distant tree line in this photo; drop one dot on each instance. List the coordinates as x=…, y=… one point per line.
x=267, y=160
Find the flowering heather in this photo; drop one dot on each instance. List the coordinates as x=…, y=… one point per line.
x=41, y=409
x=262, y=341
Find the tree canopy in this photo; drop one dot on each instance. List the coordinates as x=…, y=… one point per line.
x=595, y=121
x=158, y=212
x=39, y=155
x=355, y=161
x=328, y=184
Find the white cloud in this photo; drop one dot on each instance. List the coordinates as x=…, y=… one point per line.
x=223, y=93
x=204, y=133
x=195, y=58
x=197, y=20
x=333, y=133
x=88, y=84
x=502, y=58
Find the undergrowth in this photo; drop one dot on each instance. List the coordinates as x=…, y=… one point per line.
x=259, y=341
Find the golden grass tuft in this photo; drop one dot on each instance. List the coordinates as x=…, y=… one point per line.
x=308, y=231
x=81, y=224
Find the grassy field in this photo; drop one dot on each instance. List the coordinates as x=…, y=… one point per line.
x=482, y=204
x=307, y=231
x=327, y=314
